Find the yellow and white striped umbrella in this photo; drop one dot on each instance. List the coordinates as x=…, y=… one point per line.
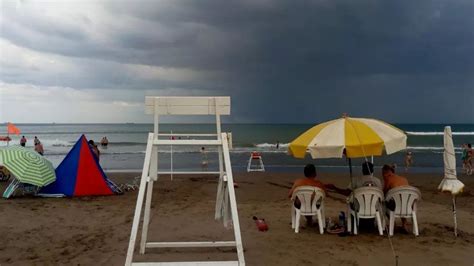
x=360, y=137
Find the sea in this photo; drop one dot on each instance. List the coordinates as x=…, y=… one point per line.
x=126, y=149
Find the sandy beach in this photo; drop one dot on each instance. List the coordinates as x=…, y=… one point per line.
x=95, y=230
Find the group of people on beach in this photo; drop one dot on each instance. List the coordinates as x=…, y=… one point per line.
x=38, y=146
x=390, y=181
x=466, y=158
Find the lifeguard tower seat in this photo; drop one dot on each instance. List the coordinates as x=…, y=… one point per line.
x=255, y=163
x=226, y=204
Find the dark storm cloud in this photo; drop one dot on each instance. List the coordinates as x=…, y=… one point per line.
x=282, y=61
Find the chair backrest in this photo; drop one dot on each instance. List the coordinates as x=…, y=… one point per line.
x=310, y=198
x=405, y=199
x=187, y=105
x=367, y=200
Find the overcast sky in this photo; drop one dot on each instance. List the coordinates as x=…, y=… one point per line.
x=281, y=61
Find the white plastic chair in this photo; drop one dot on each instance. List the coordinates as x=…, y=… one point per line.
x=366, y=203
x=405, y=199
x=312, y=204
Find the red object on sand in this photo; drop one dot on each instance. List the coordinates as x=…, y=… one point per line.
x=261, y=224
x=256, y=155
x=5, y=138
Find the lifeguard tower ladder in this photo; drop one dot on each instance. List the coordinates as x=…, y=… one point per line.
x=225, y=199
x=255, y=157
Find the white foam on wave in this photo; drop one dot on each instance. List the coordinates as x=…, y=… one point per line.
x=271, y=145
x=437, y=133
x=56, y=143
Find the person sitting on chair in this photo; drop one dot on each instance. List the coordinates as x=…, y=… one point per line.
x=367, y=179
x=391, y=180
x=309, y=180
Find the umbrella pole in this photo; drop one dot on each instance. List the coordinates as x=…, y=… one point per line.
x=350, y=172
x=455, y=219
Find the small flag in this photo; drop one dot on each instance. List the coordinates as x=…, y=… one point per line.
x=12, y=129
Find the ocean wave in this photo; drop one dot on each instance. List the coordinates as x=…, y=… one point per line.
x=438, y=133
x=271, y=145
x=435, y=149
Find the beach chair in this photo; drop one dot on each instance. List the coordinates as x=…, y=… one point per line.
x=404, y=200
x=312, y=204
x=10, y=190
x=258, y=166
x=366, y=203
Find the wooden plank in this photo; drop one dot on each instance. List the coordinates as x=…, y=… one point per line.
x=233, y=200
x=188, y=263
x=187, y=105
x=188, y=142
x=196, y=244
x=188, y=173
x=140, y=198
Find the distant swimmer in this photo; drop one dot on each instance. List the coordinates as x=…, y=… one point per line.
x=104, y=142
x=278, y=145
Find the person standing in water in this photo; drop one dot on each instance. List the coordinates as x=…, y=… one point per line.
x=36, y=140
x=94, y=149
x=23, y=141
x=408, y=160
x=278, y=145
x=104, y=142
x=39, y=148
x=204, y=161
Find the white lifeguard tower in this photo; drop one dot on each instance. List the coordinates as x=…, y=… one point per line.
x=226, y=204
x=255, y=163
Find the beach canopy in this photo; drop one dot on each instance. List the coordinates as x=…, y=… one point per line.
x=356, y=137
x=450, y=182
x=80, y=174
x=28, y=166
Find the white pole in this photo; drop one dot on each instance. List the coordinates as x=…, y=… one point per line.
x=171, y=157
x=455, y=219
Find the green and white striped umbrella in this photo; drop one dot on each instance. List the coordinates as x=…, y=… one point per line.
x=28, y=166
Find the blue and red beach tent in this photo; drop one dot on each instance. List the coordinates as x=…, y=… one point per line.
x=80, y=174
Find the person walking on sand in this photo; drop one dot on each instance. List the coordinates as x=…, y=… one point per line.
x=408, y=160
x=36, y=140
x=23, y=141
x=39, y=148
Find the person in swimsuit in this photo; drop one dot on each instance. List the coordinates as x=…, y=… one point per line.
x=408, y=160
x=23, y=141
x=104, y=142
x=39, y=148
x=464, y=157
x=470, y=155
